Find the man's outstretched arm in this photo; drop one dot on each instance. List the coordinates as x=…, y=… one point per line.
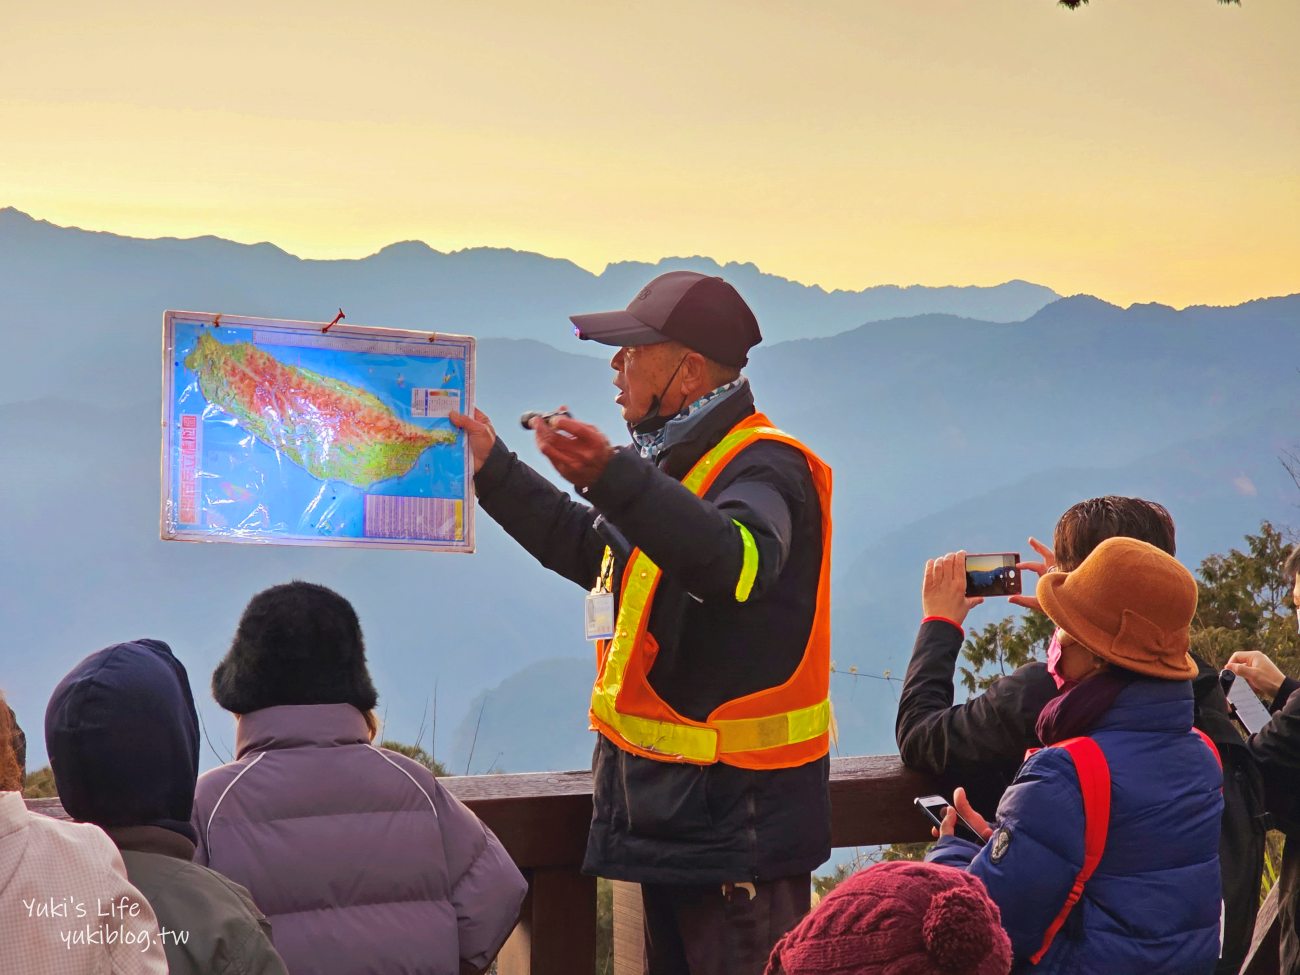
x=732, y=546
x=554, y=528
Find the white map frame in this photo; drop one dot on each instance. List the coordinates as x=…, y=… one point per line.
x=287, y=333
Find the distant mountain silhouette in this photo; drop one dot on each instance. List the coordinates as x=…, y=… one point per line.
x=1191, y=407
x=486, y=292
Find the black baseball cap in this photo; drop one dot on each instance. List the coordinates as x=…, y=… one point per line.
x=702, y=312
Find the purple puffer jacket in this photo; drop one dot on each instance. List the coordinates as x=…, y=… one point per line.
x=362, y=861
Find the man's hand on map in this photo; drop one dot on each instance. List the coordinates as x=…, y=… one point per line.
x=479, y=433
x=578, y=450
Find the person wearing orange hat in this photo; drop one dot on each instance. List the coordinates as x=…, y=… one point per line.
x=1103, y=856
x=980, y=742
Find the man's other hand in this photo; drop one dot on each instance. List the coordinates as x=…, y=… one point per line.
x=479, y=433
x=943, y=593
x=578, y=450
x=1258, y=671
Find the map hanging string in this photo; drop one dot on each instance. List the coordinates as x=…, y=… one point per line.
x=334, y=322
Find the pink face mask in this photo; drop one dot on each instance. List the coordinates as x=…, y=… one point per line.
x=1054, y=663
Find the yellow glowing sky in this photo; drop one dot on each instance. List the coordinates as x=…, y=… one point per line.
x=1138, y=150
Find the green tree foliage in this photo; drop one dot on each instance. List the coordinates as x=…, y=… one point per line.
x=418, y=754
x=39, y=784
x=1003, y=646
x=824, y=883
x=1245, y=603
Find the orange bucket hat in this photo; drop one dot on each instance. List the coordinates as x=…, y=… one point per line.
x=1130, y=604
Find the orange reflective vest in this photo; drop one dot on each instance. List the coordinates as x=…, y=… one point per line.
x=778, y=727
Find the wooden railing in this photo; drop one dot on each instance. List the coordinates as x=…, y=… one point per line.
x=543, y=818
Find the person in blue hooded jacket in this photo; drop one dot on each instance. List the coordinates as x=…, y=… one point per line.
x=1123, y=729
x=123, y=741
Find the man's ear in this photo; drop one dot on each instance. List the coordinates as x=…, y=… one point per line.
x=695, y=376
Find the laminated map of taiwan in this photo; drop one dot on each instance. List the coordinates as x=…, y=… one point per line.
x=293, y=433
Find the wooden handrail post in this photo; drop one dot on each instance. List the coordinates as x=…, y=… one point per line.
x=556, y=934
x=629, y=929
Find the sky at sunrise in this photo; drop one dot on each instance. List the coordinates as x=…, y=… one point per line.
x=1138, y=150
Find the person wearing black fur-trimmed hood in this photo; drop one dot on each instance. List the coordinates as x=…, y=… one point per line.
x=1276, y=747
x=361, y=858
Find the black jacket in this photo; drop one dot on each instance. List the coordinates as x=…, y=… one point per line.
x=980, y=744
x=662, y=822
x=1277, y=749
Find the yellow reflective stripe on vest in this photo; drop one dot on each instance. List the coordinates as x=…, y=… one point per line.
x=754, y=734
x=639, y=577
x=685, y=741
x=701, y=470
x=682, y=740
x=748, y=563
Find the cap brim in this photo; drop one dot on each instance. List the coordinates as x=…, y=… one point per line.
x=620, y=328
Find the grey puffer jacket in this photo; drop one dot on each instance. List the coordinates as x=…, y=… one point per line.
x=361, y=860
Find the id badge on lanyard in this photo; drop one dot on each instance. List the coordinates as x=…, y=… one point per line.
x=598, y=618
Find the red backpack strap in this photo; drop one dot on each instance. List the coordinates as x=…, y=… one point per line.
x=1209, y=743
x=1094, y=784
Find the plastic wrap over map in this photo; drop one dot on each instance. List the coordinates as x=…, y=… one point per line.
x=283, y=432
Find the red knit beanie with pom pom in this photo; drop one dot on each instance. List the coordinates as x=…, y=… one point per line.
x=899, y=918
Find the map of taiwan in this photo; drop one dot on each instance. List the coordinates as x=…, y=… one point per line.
x=333, y=430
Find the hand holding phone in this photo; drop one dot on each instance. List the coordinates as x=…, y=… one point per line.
x=936, y=807
x=943, y=591
x=1242, y=702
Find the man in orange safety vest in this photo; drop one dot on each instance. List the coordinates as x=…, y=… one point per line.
x=704, y=550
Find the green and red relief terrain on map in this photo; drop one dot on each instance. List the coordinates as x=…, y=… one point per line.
x=333, y=430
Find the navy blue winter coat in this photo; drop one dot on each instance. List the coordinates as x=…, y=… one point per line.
x=1153, y=904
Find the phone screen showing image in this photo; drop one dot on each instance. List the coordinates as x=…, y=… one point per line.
x=993, y=575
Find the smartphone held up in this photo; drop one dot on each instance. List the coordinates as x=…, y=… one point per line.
x=936, y=807
x=993, y=574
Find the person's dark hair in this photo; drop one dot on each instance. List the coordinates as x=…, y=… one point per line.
x=297, y=643
x=1089, y=523
x=11, y=775
x=1291, y=568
